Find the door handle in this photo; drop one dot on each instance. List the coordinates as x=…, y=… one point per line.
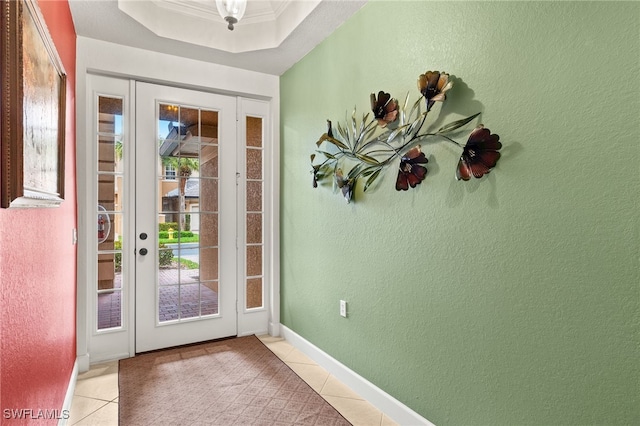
x=143, y=252
x=143, y=236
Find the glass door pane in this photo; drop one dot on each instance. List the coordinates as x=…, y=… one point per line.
x=108, y=212
x=254, y=216
x=188, y=182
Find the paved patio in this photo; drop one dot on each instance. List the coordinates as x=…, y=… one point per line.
x=188, y=299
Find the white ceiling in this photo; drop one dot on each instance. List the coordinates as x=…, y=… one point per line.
x=270, y=38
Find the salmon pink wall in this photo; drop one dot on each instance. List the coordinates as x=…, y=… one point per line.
x=38, y=273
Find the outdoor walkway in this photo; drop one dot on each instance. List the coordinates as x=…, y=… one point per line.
x=187, y=300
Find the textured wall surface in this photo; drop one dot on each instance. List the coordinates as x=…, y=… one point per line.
x=38, y=273
x=510, y=300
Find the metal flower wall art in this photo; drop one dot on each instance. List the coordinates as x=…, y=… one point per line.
x=393, y=132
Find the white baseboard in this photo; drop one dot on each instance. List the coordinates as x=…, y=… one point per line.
x=83, y=363
x=384, y=402
x=68, y=397
x=274, y=328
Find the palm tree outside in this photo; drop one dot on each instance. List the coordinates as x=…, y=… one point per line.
x=184, y=169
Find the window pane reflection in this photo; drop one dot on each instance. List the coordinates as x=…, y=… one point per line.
x=254, y=232
x=188, y=185
x=108, y=219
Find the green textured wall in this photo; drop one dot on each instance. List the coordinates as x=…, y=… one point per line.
x=510, y=300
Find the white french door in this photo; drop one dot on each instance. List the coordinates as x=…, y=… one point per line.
x=185, y=288
x=183, y=217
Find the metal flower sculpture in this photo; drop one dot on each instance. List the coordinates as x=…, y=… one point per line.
x=434, y=85
x=394, y=131
x=385, y=109
x=346, y=185
x=479, y=155
x=411, y=171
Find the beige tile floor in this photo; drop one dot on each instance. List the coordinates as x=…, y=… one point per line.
x=95, y=401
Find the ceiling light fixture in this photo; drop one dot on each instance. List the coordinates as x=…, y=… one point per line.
x=231, y=10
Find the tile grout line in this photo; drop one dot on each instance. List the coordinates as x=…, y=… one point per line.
x=94, y=411
x=323, y=385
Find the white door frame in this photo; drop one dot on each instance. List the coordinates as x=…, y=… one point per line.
x=250, y=320
x=99, y=57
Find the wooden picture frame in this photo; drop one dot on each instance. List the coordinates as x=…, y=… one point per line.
x=32, y=110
